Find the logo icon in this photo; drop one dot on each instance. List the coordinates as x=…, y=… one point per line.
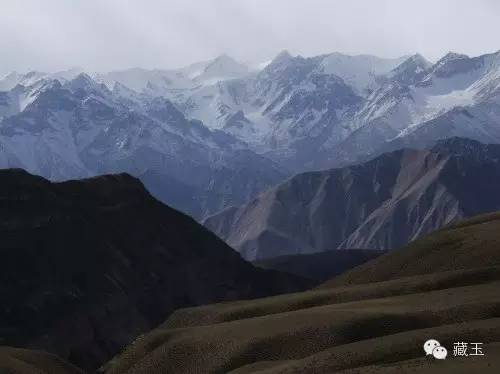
x=429, y=346
x=433, y=348
x=440, y=353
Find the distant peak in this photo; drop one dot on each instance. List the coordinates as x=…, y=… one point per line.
x=224, y=60
x=83, y=77
x=47, y=84
x=33, y=74
x=453, y=56
x=282, y=56
x=82, y=80
x=85, y=82
x=418, y=58
x=224, y=57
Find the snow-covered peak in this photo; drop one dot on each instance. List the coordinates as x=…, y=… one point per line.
x=456, y=64
x=411, y=70
x=450, y=56
x=84, y=82
x=420, y=60
x=281, y=57
x=9, y=81
x=283, y=61
x=141, y=80
x=221, y=68
x=13, y=79
x=22, y=96
x=67, y=75
x=358, y=71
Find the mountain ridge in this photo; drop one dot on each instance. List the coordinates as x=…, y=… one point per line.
x=87, y=265
x=383, y=203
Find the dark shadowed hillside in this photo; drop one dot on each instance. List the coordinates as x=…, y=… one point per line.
x=320, y=266
x=373, y=319
x=86, y=266
x=383, y=203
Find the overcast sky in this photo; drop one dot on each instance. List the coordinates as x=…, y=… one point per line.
x=101, y=35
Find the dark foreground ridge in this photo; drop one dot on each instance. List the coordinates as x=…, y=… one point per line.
x=372, y=319
x=86, y=266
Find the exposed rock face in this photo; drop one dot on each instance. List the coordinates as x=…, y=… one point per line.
x=88, y=265
x=383, y=203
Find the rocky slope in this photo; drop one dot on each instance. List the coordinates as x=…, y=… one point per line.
x=88, y=265
x=383, y=203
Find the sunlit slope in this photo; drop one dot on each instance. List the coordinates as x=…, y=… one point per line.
x=444, y=286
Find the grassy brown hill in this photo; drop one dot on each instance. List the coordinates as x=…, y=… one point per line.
x=373, y=319
x=86, y=266
x=23, y=361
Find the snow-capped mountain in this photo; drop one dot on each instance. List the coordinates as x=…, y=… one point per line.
x=220, y=125
x=176, y=83
x=81, y=128
x=360, y=72
x=457, y=96
x=220, y=69
x=310, y=113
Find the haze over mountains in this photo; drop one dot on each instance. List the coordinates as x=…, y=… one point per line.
x=381, y=204
x=216, y=133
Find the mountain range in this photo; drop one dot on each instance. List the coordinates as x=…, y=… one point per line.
x=80, y=128
x=86, y=266
x=216, y=133
x=383, y=203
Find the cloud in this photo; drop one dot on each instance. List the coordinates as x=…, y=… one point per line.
x=115, y=34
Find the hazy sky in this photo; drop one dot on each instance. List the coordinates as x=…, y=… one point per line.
x=114, y=34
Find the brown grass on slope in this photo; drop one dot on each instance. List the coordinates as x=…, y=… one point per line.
x=23, y=361
x=444, y=286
